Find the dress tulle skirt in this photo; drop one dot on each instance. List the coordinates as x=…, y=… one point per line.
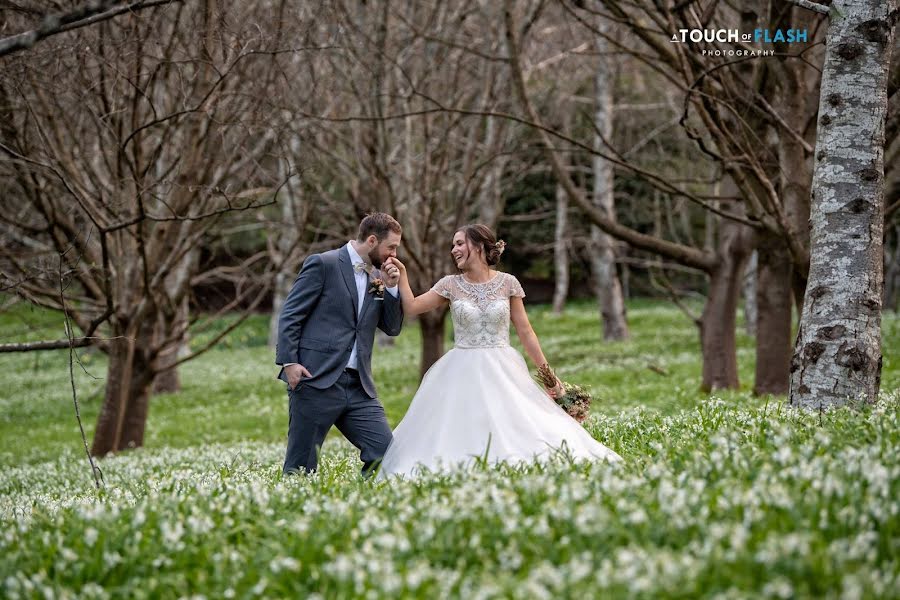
x=482, y=402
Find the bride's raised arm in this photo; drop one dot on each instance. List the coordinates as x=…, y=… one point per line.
x=412, y=304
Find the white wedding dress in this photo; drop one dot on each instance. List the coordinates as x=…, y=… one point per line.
x=479, y=399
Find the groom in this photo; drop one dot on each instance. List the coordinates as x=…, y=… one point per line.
x=325, y=335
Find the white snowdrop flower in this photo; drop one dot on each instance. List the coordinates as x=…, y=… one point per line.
x=851, y=588
x=416, y=575
x=92, y=590
x=200, y=525
x=300, y=526
x=580, y=567
x=260, y=587
x=534, y=589
x=229, y=593
x=341, y=567
x=390, y=582
x=139, y=518
x=111, y=559
x=171, y=533
x=68, y=554
x=284, y=563
x=90, y=536
x=637, y=517
x=765, y=556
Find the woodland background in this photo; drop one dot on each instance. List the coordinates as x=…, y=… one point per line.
x=165, y=163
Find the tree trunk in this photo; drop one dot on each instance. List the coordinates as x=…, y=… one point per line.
x=718, y=321
x=560, y=252
x=751, y=311
x=837, y=359
x=129, y=381
x=773, y=328
x=286, y=275
x=491, y=200
x=135, y=421
x=779, y=280
x=168, y=381
x=795, y=163
x=892, y=269
x=432, y=327
x=603, y=256
x=284, y=279
x=118, y=383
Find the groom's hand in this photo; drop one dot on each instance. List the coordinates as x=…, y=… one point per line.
x=295, y=373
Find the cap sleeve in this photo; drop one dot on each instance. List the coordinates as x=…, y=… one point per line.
x=442, y=287
x=515, y=288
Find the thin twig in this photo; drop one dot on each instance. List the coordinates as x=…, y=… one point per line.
x=95, y=470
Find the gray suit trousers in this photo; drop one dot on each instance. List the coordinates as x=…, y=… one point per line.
x=346, y=405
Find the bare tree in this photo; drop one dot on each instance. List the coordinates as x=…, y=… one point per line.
x=123, y=145
x=724, y=265
x=607, y=288
x=837, y=359
x=377, y=127
x=294, y=232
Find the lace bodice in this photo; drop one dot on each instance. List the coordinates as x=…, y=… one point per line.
x=480, y=311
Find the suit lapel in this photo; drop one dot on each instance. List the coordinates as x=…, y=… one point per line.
x=349, y=278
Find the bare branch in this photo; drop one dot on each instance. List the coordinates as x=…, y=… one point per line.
x=48, y=345
x=813, y=6
x=92, y=12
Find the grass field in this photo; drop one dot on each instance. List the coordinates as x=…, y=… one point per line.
x=731, y=497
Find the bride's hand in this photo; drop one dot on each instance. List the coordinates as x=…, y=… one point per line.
x=558, y=391
x=400, y=266
x=391, y=272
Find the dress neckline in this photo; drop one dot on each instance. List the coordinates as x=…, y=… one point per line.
x=491, y=280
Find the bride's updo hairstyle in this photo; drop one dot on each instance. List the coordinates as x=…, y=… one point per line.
x=482, y=237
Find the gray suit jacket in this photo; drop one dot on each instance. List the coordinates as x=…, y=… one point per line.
x=318, y=322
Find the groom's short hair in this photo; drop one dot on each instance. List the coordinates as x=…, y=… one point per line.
x=379, y=224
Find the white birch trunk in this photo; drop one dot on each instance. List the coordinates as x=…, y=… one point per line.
x=749, y=291
x=285, y=277
x=561, y=252
x=603, y=257
x=892, y=269
x=837, y=358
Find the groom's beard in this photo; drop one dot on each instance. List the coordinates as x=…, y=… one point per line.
x=375, y=258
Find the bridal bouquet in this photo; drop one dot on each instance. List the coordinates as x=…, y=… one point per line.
x=575, y=399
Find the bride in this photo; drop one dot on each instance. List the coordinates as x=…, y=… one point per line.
x=479, y=400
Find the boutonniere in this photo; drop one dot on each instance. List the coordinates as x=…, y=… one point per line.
x=376, y=286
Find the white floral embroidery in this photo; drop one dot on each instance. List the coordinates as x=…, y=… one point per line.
x=480, y=311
